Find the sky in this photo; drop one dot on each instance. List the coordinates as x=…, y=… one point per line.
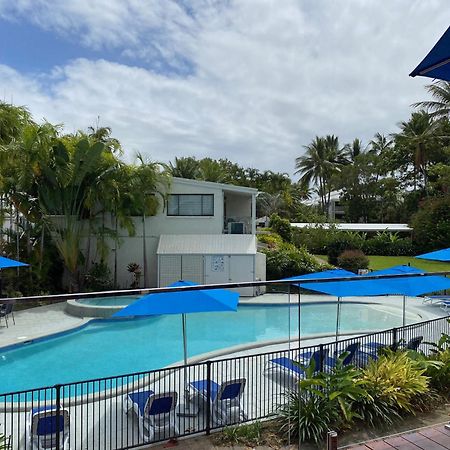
x=249, y=80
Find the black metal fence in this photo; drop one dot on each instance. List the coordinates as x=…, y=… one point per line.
x=131, y=410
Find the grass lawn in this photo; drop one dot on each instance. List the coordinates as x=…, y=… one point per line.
x=383, y=262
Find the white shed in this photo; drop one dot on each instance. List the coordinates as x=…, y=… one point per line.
x=210, y=259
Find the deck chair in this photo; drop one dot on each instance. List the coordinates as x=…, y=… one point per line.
x=155, y=413
x=364, y=356
x=43, y=425
x=445, y=305
x=286, y=371
x=226, y=406
x=351, y=351
x=6, y=310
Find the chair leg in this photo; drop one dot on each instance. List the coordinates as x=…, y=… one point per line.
x=6, y=320
x=14, y=320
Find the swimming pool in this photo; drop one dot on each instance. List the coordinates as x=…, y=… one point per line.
x=113, y=347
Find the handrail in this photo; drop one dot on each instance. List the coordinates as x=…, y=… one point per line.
x=242, y=284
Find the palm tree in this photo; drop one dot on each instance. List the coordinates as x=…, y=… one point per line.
x=186, y=167
x=353, y=150
x=417, y=136
x=439, y=107
x=379, y=144
x=149, y=183
x=323, y=159
x=211, y=170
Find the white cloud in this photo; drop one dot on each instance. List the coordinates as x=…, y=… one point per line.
x=268, y=75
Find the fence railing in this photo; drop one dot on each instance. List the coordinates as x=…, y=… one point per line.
x=131, y=410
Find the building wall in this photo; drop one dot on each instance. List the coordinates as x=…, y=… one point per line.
x=129, y=249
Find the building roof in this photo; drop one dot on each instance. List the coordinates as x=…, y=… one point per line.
x=357, y=226
x=223, y=186
x=207, y=244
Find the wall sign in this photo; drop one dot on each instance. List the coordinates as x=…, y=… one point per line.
x=218, y=264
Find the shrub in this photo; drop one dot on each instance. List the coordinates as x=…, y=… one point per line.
x=307, y=417
x=432, y=224
x=388, y=244
x=272, y=240
x=353, y=260
x=99, y=277
x=315, y=239
x=281, y=226
x=395, y=380
x=440, y=374
x=342, y=242
x=286, y=260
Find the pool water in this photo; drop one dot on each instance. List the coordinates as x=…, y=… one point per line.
x=124, y=300
x=117, y=346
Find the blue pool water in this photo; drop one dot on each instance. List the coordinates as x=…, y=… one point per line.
x=109, y=301
x=113, y=347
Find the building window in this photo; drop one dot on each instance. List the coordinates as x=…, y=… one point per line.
x=190, y=205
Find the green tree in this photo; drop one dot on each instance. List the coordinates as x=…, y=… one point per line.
x=185, y=167
x=439, y=106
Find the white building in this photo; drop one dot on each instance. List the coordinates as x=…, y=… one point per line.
x=205, y=232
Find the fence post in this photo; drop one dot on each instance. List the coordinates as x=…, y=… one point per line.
x=321, y=357
x=58, y=416
x=394, y=339
x=332, y=440
x=208, y=397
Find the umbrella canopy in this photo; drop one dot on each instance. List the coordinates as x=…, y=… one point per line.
x=410, y=286
x=182, y=302
x=438, y=255
x=333, y=273
x=5, y=263
x=437, y=63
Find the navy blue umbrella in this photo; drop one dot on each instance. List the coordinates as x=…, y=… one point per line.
x=437, y=63
x=182, y=302
x=438, y=255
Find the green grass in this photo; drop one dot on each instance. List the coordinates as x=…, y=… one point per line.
x=383, y=262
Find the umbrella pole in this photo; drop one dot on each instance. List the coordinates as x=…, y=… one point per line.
x=183, y=323
x=338, y=319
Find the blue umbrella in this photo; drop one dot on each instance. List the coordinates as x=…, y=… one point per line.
x=438, y=255
x=437, y=63
x=6, y=263
x=183, y=303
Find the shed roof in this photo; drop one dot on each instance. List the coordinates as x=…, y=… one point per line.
x=207, y=244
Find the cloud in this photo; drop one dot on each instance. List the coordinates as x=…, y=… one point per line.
x=251, y=80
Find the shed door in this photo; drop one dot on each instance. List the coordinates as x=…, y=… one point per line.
x=217, y=269
x=169, y=269
x=192, y=268
x=242, y=269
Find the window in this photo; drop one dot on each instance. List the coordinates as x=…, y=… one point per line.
x=190, y=205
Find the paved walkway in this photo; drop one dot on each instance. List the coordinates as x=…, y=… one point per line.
x=432, y=438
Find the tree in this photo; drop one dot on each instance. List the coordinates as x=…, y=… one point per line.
x=185, y=167
x=417, y=138
x=211, y=170
x=439, y=107
x=322, y=161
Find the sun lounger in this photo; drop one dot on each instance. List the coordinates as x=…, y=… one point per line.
x=370, y=350
x=226, y=407
x=155, y=413
x=286, y=371
x=43, y=427
x=445, y=305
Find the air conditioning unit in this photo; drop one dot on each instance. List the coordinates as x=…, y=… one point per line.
x=236, y=228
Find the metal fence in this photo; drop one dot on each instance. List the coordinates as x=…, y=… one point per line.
x=131, y=410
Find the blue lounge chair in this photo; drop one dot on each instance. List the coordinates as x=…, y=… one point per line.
x=286, y=371
x=155, y=413
x=226, y=407
x=370, y=349
x=43, y=426
x=330, y=361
